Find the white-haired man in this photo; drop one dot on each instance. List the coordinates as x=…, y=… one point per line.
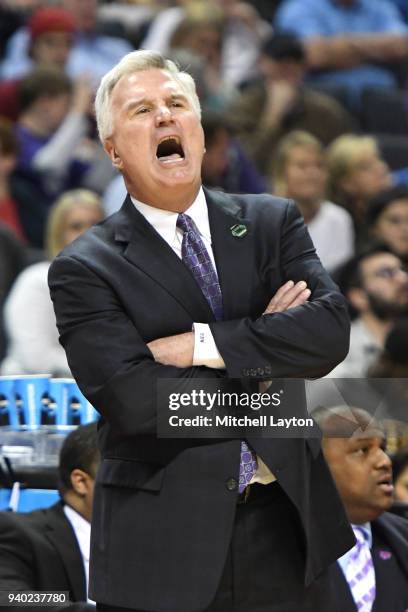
x=190, y=284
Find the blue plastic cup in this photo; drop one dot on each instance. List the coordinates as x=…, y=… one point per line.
x=31, y=393
x=8, y=401
x=59, y=400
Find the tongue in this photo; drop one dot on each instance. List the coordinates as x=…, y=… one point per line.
x=171, y=157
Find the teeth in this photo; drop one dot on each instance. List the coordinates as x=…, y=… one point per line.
x=176, y=138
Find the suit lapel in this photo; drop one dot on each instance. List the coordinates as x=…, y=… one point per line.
x=149, y=252
x=341, y=589
x=62, y=536
x=234, y=255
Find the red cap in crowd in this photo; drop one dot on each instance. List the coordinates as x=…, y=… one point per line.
x=51, y=19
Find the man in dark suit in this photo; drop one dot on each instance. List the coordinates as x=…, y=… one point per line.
x=175, y=527
x=374, y=574
x=47, y=549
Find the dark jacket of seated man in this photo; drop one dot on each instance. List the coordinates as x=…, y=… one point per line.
x=353, y=446
x=40, y=550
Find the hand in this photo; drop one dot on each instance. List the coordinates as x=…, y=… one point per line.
x=288, y=296
x=82, y=96
x=281, y=96
x=174, y=351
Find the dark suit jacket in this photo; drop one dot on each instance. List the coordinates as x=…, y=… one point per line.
x=390, y=557
x=39, y=551
x=164, y=508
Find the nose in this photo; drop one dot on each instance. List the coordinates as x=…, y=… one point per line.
x=383, y=462
x=402, y=276
x=163, y=115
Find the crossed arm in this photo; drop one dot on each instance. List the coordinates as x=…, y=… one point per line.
x=178, y=350
x=347, y=51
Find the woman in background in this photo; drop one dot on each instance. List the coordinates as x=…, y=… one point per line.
x=357, y=173
x=300, y=174
x=387, y=219
x=29, y=319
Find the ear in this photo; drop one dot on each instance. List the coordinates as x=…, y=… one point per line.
x=113, y=154
x=358, y=299
x=80, y=482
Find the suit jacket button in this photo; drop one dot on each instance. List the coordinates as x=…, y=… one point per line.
x=253, y=372
x=268, y=370
x=232, y=484
x=261, y=371
x=245, y=372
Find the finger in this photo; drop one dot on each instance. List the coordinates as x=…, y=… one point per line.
x=300, y=300
x=279, y=294
x=288, y=298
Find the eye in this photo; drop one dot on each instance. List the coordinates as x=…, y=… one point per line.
x=360, y=452
x=176, y=104
x=142, y=110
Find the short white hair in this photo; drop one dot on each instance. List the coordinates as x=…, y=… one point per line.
x=137, y=61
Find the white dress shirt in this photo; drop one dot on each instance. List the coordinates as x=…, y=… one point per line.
x=164, y=222
x=82, y=530
x=205, y=350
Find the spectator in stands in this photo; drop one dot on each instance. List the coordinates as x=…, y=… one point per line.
x=12, y=260
x=400, y=476
x=393, y=360
x=389, y=376
x=48, y=549
x=28, y=312
x=202, y=36
x=357, y=173
x=376, y=286
x=353, y=43
x=243, y=34
x=387, y=218
x=8, y=159
x=373, y=574
x=50, y=132
x=92, y=54
x=51, y=33
x=279, y=103
x=300, y=174
x=225, y=165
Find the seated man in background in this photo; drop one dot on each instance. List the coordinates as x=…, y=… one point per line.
x=374, y=574
x=279, y=103
x=353, y=43
x=51, y=32
x=48, y=549
x=375, y=283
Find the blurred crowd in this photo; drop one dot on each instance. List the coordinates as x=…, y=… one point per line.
x=306, y=100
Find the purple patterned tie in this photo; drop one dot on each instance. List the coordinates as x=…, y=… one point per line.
x=195, y=256
x=360, y=573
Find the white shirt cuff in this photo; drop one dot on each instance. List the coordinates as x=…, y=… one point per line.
x=205, y=349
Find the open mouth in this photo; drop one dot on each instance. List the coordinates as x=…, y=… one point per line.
x=169, y=149
x=386, y=485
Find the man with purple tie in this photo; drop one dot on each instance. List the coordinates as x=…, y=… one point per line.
x=189, y=284
x=373, y=575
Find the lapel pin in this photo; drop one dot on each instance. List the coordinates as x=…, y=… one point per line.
x=239, y=231
x=385, y=555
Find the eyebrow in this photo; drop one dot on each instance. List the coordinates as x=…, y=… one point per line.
x=129, y=106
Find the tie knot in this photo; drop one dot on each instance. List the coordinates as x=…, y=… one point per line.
x=360, y=535
x=185, y=223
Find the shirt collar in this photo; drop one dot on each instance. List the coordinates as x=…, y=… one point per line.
x=164, y=221
x=82, y=529
x=366, y=529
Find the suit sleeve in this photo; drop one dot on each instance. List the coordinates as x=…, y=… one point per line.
x=306, y=341
x=18, y=566
x=106, y=353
